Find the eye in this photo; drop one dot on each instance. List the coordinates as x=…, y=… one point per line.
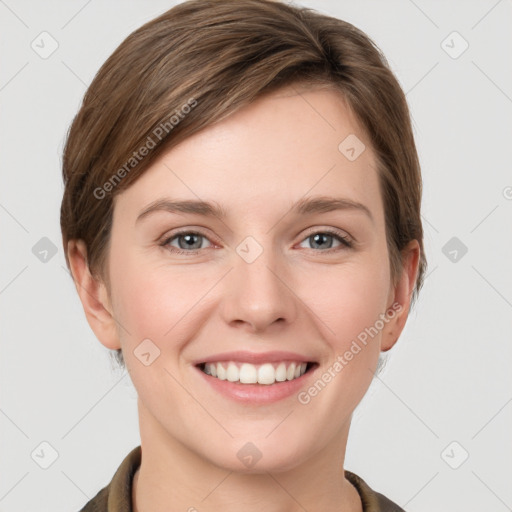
x=324, y=240
x=189, y=242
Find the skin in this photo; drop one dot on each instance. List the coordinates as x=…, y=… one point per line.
x=295, y=296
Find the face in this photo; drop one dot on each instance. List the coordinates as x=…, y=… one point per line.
x=282, y=282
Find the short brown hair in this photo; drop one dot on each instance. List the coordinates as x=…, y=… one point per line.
x=219, y=55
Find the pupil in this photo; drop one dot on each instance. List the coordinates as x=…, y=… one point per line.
x=189, y=240
x=319, y=237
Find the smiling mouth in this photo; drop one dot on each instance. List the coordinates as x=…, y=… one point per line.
x=247, y=373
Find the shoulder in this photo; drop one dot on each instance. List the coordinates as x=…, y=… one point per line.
x=372, y=501
x=99, y=503
x=117, y=495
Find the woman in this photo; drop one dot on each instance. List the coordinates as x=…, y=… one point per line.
x=241, y=217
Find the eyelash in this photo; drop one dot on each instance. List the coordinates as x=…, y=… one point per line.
x=345, y=241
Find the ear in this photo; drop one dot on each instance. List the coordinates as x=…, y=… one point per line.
x=93, y=294
x=399, y=300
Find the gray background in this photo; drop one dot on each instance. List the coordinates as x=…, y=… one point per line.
x=448, y=379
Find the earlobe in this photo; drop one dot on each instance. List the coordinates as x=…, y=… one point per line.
x=402, y=295
x=93, y=296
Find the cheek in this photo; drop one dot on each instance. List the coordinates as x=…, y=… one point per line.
x=166, y=305
x=348, y=302
x=160, y=304
x=155, y=301
x=348, y=299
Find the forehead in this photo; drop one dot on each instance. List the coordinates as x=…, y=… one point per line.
x=286, y=145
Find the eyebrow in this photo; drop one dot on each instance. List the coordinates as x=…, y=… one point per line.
x=305, y=206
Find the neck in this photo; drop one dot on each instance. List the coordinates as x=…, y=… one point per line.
x=173, y=478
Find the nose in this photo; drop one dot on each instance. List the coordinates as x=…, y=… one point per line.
x=258, y=295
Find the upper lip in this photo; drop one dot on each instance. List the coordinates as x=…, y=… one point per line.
x=255, y=357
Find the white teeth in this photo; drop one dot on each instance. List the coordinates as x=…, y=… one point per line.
x=266, y=374
x=248, y=373
x=221, y=371
x=290, y=373
x=281, y=372
x=233, y=373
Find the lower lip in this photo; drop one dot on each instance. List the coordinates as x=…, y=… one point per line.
x=257, y=393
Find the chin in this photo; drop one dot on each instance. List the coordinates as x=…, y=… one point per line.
x=258, y=456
